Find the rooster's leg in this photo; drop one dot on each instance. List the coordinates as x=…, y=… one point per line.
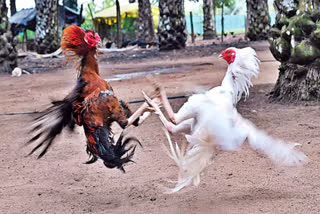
x=166, y=105
x=185, y=117
x=140, y=112
x=164, y=98
x=137, y=113
x=183, y=127
x=168, y=125
x=143, y=117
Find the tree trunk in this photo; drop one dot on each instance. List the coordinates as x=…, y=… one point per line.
x=119, y=33
x=92, y=19
x=258, y=19
x=192, y=29
x=80, y=19
x=47, y=37
x=13, y=8
x=8, y=53
x=64, y=13
x=145, y=29
x=208, y=21
x=214, y=9
x=172, y=25
x=296, y=44
x=222, y=22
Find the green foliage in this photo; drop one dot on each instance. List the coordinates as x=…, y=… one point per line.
x=128, y=29
x=88, y=24
x=226, y=3
x=94, y=9
x=128, y=24
x=108, y=3
x=73, y=4
x=30, y=35
x=3, y=25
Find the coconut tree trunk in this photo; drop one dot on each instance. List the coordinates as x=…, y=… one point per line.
x=47, y=37
x=145, y=30
x=296, y=44
x=258, y=19
x=172, y=25
x=8, y=53
x=208, y=32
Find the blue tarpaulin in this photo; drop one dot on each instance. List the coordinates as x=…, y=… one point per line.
x=26, y=19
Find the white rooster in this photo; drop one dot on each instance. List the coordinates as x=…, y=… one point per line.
x=211, y=119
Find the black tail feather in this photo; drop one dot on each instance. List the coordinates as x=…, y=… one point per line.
x=92, y=160
x=51, y=122
x=111, y=153
x=59, y=115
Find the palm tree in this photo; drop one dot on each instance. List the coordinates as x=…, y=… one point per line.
x=172, y=25
x=296, y=44
x=145, y=29
x=8, y=53
x=258, y=19
x=48, y=33
x=208, y=25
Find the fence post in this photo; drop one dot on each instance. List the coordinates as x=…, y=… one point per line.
x=222, y=23
x=25, y=40
x=191, y=22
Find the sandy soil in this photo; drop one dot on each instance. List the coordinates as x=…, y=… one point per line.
x=238, y=182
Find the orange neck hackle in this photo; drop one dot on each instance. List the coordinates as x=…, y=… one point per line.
x=77, y=42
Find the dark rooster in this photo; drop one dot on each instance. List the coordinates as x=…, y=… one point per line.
x=92, y=104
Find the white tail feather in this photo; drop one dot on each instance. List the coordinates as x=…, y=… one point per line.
x=192, y=163
x=200, y=153
x=279, y=152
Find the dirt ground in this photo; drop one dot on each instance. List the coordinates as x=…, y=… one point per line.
x=238, y=182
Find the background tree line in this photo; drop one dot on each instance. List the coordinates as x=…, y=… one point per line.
x=294, y=39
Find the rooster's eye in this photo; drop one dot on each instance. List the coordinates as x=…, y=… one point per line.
x=228, y=52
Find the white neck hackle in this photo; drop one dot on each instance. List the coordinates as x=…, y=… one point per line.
x=240, y=72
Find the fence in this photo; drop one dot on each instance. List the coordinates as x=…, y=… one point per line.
x=234, y=23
